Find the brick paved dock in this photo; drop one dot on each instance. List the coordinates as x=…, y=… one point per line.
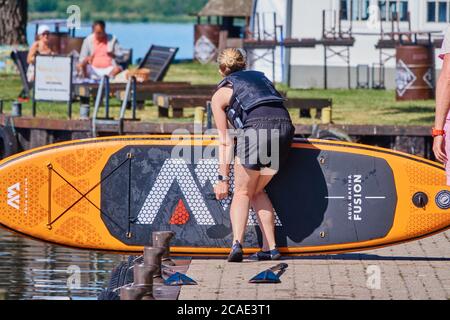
x=416, y=270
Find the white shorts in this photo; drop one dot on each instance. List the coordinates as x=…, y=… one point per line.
x=98, y=73
x=30, y=73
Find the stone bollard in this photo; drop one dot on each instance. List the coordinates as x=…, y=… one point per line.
x=136, y=293
x=142, y=288
x=153, y=257
x=143, y=274
x=162, y=239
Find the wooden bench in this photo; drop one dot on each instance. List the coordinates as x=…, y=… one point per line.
x=305, y=106
x=86, y=92
x=179, y=102
x=90, y=90
x=144, y=94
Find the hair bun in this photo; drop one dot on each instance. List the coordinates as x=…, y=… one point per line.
x=232, y=60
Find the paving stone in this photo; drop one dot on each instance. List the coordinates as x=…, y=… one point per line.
x=416, y=270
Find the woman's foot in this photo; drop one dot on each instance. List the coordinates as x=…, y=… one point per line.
x=237, y=254
x=266, y=255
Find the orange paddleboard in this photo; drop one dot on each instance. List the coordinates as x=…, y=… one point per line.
x=110, y=194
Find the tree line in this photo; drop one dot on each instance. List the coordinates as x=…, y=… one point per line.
x=135, y=8
x=14, y=14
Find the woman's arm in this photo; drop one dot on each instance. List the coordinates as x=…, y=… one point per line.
x=220, y=102
x=32, y=53
x=442, y=108
x=443, y=94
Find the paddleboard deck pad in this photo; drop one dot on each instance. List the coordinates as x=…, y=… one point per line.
x=110, y=194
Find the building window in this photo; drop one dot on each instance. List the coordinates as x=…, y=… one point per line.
x=442, y=12
x=403, y=11
x=344, y=10
x=431, y=11
x=358, y=10
x=438, y=11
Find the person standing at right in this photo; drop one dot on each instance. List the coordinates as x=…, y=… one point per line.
x=441, y=146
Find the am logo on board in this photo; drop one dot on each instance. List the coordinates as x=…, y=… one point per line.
x=14, y=196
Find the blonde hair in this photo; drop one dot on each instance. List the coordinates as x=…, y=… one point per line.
x=231, y=60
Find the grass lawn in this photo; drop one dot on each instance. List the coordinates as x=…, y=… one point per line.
x=349, y=106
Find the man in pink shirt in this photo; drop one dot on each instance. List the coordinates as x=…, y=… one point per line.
x=98, y=54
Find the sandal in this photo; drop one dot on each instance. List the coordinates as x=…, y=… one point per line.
x=266, y=255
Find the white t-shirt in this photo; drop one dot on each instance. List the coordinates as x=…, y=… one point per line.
x=445, y=44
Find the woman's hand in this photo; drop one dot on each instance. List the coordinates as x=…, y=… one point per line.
x=222, y=190
x=439, y=149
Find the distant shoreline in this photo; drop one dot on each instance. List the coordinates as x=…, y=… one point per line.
x=125, y=18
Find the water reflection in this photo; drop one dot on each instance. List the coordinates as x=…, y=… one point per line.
x=34, y=270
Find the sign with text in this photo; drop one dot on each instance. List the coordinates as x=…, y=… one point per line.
x=53, y=81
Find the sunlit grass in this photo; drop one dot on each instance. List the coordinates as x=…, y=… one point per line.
x=374, y=107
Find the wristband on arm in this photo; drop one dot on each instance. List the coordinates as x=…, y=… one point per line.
x=437, y=133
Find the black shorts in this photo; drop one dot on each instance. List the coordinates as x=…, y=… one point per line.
x=264, y=143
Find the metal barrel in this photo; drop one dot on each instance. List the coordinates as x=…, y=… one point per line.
x=84, y=111
x=16, y=110
x=415, y=72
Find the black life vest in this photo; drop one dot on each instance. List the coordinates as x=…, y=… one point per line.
x=250, y=90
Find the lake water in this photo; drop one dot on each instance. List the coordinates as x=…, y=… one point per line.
x=140, y=36
x=33, y=270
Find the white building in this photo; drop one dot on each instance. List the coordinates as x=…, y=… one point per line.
x=304, y=67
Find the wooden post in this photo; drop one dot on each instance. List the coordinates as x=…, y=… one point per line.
x=209, y=115
x=199, y=119
x=178, y=113
x=2, y=294
x=325, y=68
x=326, y=115
x=163, y=112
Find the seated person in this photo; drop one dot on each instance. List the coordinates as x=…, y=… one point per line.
x=39, y=47
x=98, y=54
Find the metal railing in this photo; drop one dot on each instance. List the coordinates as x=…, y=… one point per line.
x=129, y=91
x=104, y=86
x=103, y=93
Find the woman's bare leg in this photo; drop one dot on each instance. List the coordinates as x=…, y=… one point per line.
x=265, y=212
x=245, y=186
